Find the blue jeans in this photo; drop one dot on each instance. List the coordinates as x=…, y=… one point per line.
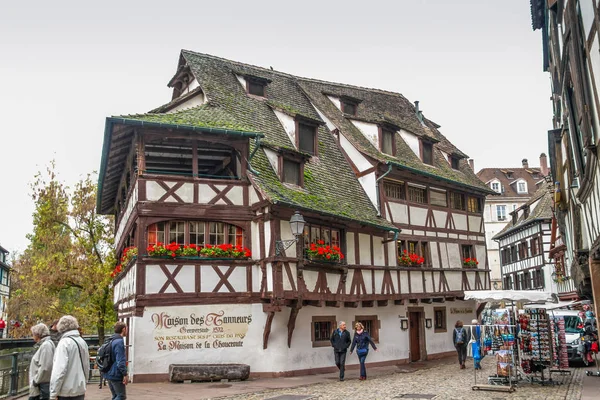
x=363, y=369
x=117, y=388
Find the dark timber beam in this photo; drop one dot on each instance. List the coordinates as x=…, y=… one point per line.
x=267, y=330
x=292, y=322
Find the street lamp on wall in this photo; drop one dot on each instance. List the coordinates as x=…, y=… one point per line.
x=297, y=223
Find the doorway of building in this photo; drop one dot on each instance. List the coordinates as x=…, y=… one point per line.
x=414, y=319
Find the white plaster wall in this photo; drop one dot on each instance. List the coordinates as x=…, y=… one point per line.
x=156, y=278
x=286, y=234
x=392, y=253
x=378, y=252
x=195, y=101
x=236, y=195
x=124, y=288
x=370, y=131
x=435, y=260
x=255, y=232
x=440, y=218
x=289, y=125
x=328, y=122
x=350, y=251
x=418, y=216
x=399, y=212
x=253, y=195
x=273, y=159
x=364, y=242
x=336, y=102
x=393, y=341
x=454, y=255
x=241, y=80
x=267, y=238
x=412, y=141
x=356, y=156
x=369, y=186
x=474, y=223
x=186, y=193
x=286, y=280
x=154, y=191
x=460, y=221
x=129, y=207
x=587, y=15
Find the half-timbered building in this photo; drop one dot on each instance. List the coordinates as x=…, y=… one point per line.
x=571, y=54
x=514, y=187
x=241, y=151
x=525, y=245
x=4, y=283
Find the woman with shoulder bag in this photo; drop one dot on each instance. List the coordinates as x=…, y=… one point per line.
x=361, y=341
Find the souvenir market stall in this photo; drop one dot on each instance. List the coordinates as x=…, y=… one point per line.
x=511, y=338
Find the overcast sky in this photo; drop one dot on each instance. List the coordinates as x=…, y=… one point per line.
x=475, y=66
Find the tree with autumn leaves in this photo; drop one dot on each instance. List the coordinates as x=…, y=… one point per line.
x=67, y=264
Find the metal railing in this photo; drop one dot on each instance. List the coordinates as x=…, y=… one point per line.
x=14, y=373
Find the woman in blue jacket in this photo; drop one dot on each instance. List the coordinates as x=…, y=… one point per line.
x=361, y=341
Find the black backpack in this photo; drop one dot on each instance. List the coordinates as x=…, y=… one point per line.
x=104, y=357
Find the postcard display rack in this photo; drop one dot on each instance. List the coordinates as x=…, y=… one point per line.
x=541, y=344
x=499, y=341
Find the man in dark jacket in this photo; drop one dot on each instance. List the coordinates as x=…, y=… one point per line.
x=117, y=376
x=340, y=341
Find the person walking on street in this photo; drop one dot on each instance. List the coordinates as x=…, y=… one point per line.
x=40, y=368
x=475, y=343
x=361, y=341
x=340, y=341
x=71, y=367
x=117, y=376
x=461, y=338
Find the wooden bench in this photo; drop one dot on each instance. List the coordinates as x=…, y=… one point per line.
x=208, y=372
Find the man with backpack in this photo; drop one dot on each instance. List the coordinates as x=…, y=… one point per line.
x=117, y=373
x=461, y=338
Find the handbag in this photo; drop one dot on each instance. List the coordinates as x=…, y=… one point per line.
x=362, y=352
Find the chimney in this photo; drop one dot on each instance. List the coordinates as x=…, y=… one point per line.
x=418, y=112
x=472, y=164
x=543, y=164
x=525, y=163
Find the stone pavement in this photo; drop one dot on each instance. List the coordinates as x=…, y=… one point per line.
x=436, y=380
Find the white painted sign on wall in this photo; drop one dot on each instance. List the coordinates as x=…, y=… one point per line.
x=205, y=328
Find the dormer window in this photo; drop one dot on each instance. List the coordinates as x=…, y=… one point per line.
x=521, y=187
x=427, y=152
x=496, y=187
x=454, y=162
x=387, y=142
x=256, y=87
x=306, y=137
x=291, y=172
x=349, y=107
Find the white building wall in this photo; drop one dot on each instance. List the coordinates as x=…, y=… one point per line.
x=188, y=335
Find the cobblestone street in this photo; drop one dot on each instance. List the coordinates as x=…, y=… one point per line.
x=435, y=381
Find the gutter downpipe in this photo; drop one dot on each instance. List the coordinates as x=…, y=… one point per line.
x=377, y=190
x=256, y=145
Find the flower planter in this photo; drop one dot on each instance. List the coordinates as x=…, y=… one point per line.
x=322, y=260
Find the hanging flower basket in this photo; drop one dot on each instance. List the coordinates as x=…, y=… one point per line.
x=195, y=252
x=470, y=262
x=323, y=252
x=410, y=259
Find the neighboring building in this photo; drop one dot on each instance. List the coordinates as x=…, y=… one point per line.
x=513, y=187
x=571, y=54
x=4, y=284
x=525, y=244
x=230, y=159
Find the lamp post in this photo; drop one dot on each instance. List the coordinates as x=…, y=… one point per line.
x=297, y=227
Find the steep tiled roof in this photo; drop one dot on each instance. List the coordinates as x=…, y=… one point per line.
x=508, y=178
x=330, y=186
x=543, y=199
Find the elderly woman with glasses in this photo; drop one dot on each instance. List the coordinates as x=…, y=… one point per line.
x=40, y=368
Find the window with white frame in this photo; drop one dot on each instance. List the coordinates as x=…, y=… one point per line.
x=501, y=212
x=521, y=187
x=496, y=187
